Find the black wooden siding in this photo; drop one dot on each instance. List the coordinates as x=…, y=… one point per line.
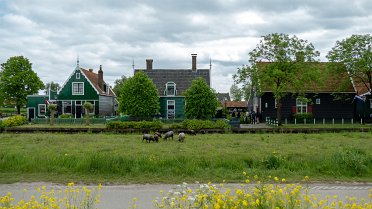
x=328, y=107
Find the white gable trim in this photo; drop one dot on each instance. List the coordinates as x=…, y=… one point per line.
x=72, y=74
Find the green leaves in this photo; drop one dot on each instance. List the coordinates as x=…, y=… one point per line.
x=201, y=102
x=17, y=80
x=139, y=96
x=355, y=53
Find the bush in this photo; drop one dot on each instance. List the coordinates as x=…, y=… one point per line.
x=152, y=125
x=204, y=124
x=14, y=121
x=273, y=161
x=300, y=117
x=351, y=160
x=66, y=115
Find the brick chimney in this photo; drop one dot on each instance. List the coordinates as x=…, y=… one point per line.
x=193, y=66
x=149, y=64
x=100, y=78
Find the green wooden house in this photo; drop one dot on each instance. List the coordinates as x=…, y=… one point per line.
x=171, y=84
x=83, y=85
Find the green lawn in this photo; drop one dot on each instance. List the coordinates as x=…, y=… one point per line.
x=212, y=157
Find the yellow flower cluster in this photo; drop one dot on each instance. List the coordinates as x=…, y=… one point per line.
x=257, y=195
x=72, y=197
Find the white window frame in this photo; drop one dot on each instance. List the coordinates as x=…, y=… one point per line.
x=317, y=101
x=275, y=104
x=169, y=84
x=174, y=109
x=370, y=103
x=301, y=105
x=77, y=75
x=38, y=110
x=77, y=93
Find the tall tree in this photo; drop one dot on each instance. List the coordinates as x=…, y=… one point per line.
x=355, y=53
x=236, y=93
x=139, y=96
x=281, y=64
x=17, y=80
x=53, y=87
x=201, y=101
x=118, y=84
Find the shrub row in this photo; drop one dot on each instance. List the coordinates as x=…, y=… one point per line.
x=201, y=124
x=152, y=125
x=14, y=121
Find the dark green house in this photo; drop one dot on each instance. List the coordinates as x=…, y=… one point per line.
x=171, y=84
x=83, y=85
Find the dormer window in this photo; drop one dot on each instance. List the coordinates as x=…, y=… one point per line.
x=170, y=89
x=77, y=75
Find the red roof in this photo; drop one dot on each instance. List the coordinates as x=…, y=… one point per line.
x=238, y=104
x=93, y=78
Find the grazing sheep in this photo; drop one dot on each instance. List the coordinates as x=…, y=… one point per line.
x=158, y=133
x=192, y=132
x=156, y=137
x=147, y=137
x=181, y=137
x=168, y=135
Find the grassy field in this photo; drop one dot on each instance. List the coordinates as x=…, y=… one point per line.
x=118, y=158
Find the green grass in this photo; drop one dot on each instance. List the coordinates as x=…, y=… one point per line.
x=215, y=157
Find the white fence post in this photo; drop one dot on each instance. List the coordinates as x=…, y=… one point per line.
x=305, y=121
x=285, y=121
x=314, y=121
x=352, y=121
x=342, y=121
x=323, y=121
x=295, y=121
x=333, y=121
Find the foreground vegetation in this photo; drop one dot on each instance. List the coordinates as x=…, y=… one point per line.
x=215, y=157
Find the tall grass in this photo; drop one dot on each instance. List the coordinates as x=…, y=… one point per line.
x=216, y=157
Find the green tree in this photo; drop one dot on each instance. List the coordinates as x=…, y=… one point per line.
x=118, y=84
x=88, y=108
x=52, y=109
x=236, y=93
x=355, y=53
x=201, y=101
x=139, y=96
x=53, y=87
x=281, y=64
x=17, y=80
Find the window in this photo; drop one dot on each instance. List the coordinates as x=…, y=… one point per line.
x=77, y=75
x=301, y=105
x=77, y=88
x=317, y=101
x=66, y=106
x=170, y=109
x=170, y=89
x=370, y=103
x=42, y=110
x=275, y=104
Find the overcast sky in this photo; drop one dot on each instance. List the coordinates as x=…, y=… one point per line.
x=112, y=33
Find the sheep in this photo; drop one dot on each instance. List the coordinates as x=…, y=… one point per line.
x=158, y=133
x=148, y=138
x=156, y=137
x=168, y=135
x=192, y=132
x=181, y=137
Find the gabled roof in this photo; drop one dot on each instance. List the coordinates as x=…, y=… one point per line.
x=238, y=104
x=223, y=96
x=181, y=77
x=93, y=79
x=332, y=83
